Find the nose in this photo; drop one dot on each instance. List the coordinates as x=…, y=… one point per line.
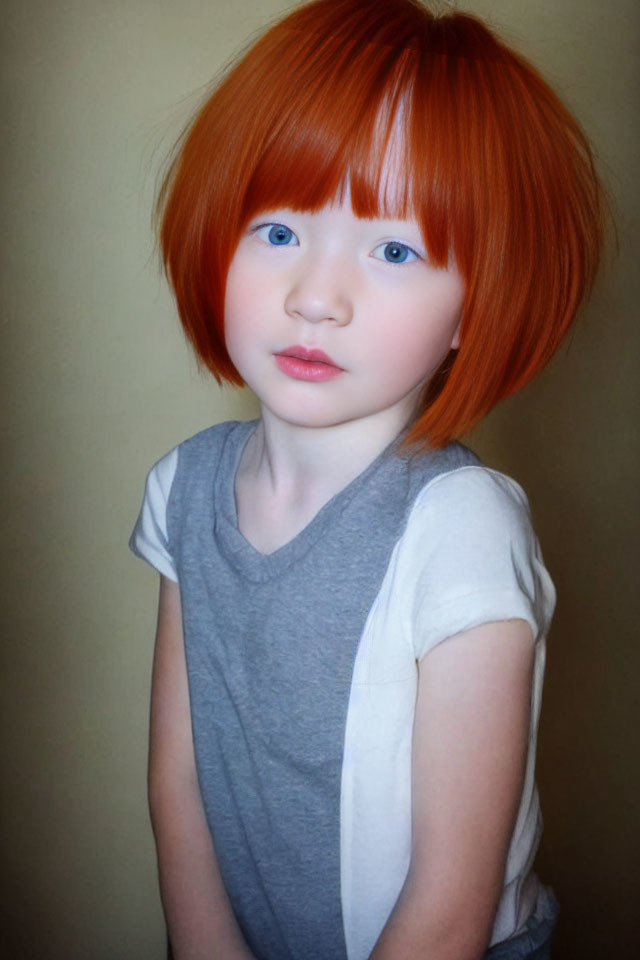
x=319, y=292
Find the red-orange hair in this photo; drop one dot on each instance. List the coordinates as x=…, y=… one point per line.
x=499, y=174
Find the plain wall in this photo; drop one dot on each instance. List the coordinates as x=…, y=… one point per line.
x=98, y=383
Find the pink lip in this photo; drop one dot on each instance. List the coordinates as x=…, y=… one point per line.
x=304, y=353
x=302, y=363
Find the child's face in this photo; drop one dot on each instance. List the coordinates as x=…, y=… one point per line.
x=360, y=291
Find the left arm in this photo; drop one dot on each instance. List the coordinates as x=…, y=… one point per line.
x=469, y=751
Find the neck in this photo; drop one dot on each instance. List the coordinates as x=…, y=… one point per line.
x=304, y=462
x=288, y=473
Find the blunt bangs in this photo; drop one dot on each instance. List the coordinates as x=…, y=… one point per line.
x=483, y=155
x=338, y=130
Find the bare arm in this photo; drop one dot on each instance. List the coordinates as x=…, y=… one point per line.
x=199, y=916
x=470, y=744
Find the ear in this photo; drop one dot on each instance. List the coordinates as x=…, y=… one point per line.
x=455, y=339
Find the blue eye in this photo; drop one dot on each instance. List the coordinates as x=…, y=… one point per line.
x=395, y=252
x=277, y=235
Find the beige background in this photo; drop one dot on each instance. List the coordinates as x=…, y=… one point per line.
x=99, y=383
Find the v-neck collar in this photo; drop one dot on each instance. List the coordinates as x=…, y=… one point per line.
x=238, y=551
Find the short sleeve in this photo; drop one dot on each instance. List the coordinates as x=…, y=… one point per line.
x=476, y=558
x=149, y=539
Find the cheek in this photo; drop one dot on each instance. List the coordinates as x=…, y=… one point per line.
x=240, y=310
x=420, y=340
x=238, y=337
x=415, y=357
x=234, y=288
x=440, y=321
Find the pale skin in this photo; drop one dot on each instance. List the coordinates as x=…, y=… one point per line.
x=473, y=706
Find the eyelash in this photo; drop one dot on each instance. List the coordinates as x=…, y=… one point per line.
x=412, y=255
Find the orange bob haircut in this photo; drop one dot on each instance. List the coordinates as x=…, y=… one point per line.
x=498, y=174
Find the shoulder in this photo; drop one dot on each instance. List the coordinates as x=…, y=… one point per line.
x=204, y=447
x=202, y=450
x=470, y=555
x=210, y=442
x=474, y=496
x=149, y=539
x=192, y=458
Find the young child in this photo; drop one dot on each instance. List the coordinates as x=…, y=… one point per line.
x=383, y=222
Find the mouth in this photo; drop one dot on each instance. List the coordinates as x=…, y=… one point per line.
x=303, y=363
x=311, y=355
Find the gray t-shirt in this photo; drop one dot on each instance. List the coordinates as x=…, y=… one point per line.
x=302, y=675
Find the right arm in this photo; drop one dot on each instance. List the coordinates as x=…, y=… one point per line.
x=197, y=909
